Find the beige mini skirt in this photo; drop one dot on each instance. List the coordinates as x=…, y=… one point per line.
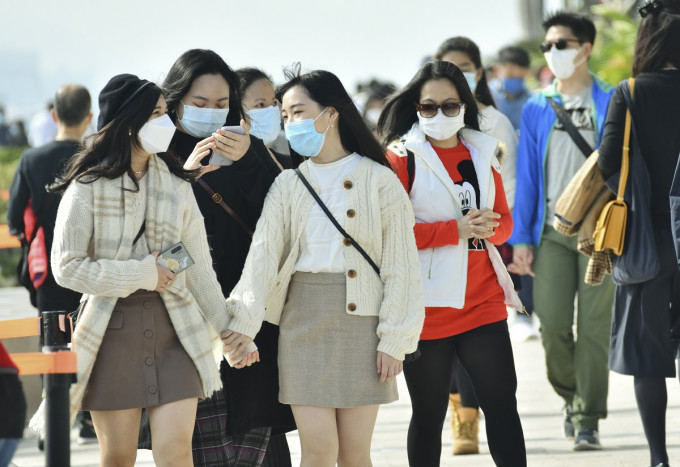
x=327, y=357
x=140, y=362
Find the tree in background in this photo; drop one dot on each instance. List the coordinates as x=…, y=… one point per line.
x=612, y=57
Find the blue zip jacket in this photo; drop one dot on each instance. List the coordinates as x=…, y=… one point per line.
x=538, y=123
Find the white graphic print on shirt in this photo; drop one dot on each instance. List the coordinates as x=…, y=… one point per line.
x=468, y=195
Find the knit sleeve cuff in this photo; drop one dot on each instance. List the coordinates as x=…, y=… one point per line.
x=148, y=273
x=392, y=347
x=245, y=327
x=249, y=161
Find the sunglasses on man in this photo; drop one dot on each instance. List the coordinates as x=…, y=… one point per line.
x=559, y=44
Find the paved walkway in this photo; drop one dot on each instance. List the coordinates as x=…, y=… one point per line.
x=539, y=407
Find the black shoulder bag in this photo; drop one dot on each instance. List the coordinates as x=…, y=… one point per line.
x=409, y=357
x=570, y=128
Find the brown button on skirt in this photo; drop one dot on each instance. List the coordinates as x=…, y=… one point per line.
x=328, y=357
x=141, y=362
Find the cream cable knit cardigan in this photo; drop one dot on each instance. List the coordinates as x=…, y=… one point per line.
x=382, y=223
x=93, y=239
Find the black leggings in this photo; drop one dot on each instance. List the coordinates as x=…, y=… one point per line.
x=461, y=385
x=486, y=354
x=652, y=398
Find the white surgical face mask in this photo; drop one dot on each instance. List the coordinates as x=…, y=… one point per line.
x=155, y=135
x=200, y=122
x=471, y=78
x=372, y=115
x=441, y=127
x=265, y=123
x=561, y=62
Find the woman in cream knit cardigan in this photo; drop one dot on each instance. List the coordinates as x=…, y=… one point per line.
x=344, y=328
x=145, y=337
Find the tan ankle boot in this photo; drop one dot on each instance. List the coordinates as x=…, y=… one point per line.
x=465, y=426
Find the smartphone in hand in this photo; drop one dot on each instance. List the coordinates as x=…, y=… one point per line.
x=219, y=159
x=176, y=258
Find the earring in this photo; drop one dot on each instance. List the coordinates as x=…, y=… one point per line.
x=129, y=132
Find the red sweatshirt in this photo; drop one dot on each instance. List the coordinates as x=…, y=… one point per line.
x=484, y=297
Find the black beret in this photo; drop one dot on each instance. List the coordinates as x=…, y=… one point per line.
x=117, y=93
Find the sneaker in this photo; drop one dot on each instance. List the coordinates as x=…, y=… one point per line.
x=87, y=434
x=568, y=425
x=587, y=440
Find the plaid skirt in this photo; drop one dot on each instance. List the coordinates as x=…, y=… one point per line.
x=211, y=446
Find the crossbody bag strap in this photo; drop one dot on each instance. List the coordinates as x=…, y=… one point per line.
x=342, y=231
x=625, y=153
x=217, y=198
x=570, y=128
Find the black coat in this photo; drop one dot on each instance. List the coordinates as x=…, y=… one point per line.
x=646, y=321
x=251, y=393
x=37, y=168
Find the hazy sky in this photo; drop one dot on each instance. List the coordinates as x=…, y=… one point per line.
x=45, y=43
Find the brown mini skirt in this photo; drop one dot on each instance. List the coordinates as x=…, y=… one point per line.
x=141, y=362
x=327, y=357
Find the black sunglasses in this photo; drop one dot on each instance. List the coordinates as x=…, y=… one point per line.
x=560, y=44
x=450, y=109
x=649, y=8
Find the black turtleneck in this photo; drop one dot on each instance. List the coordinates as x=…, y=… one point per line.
x=243, y=186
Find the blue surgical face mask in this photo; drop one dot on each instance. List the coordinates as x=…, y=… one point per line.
x=265, y=123
x=512, y=85
x=471, y=78
x=200, y=122
x=303, y=137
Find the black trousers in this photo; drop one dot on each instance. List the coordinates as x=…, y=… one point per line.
x=12, y=406
x=486, y=355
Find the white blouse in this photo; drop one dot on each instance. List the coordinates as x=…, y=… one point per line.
x=321, y=247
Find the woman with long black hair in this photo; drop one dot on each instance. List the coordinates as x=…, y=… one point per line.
x=143, y=337
x=452, y=174
x=646, y=321
x=346, y=320
x=203, y=95
x=465, y=54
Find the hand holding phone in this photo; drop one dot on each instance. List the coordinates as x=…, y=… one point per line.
x=231, y=144
x=176, y=258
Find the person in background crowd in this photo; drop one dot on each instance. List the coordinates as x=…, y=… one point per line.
x=263, y=109
x=509, y=89
x=12, y=407
x=4, y=128
x=646, y=323
x=547, y=159
x=510, y=94
x=342, y=318
x=43, y=127
x=465, y=54
x=457, y=194
x=372, y=98
x=38, y=168
x=144, y=336
x=17, y=134
x=203, y=95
